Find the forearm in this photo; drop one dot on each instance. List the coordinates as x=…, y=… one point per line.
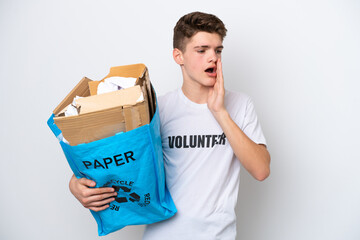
x=254, y=157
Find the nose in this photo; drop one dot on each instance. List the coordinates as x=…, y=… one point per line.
x=213, y=56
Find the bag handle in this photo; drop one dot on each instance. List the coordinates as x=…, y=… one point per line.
x=53, y=126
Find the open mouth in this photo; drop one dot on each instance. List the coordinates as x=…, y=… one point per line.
x=210, y=70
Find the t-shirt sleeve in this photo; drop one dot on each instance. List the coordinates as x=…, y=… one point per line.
x=251, y=125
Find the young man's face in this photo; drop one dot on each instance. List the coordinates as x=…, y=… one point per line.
x=199, y=59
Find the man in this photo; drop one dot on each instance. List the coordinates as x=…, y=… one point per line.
x=207, y=133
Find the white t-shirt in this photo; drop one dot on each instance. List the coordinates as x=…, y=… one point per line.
x=202, y=172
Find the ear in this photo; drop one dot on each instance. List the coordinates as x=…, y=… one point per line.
x=178, y=56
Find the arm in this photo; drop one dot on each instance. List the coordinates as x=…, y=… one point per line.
x=96, y=199
x=254, y=157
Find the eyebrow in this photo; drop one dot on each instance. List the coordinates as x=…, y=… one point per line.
x=207, y=46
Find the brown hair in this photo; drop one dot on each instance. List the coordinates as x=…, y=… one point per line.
x=195, y=22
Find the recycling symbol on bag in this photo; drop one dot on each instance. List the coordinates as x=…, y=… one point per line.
x=129, y=196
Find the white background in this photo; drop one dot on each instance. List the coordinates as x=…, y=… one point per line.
x=299, y=60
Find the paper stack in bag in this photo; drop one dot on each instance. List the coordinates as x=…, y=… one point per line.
x=103, y=115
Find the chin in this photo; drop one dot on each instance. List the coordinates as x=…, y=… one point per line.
x=209, y=83
x=205, y=82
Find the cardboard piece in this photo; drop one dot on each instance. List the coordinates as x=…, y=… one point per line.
x=106, y=114
x=125, y=97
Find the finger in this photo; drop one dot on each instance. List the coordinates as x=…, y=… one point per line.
x=95, y=192
x=218, y=69
x=96, y=201
x=102, y=190
x=220, y=72
x=100, y=203
x=98, y=198
x=221, y=85
x=98, y=209
x=87, y=182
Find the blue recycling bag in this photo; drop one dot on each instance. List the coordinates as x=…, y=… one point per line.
x=130, y=162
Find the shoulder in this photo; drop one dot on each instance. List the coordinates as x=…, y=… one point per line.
x=240, y=107
x=167, y=103
x=236, y=96
x=237, y=101
x=167, y=99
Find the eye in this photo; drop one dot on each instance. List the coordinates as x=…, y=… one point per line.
x=201, y=51
x=218, y=51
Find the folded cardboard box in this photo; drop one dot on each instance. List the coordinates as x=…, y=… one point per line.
x=104, y=115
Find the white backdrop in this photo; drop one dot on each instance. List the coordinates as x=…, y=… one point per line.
x=299, y=60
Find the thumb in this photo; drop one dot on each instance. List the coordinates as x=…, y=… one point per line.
x=87, y=182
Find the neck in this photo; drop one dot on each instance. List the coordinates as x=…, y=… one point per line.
x=196, y=94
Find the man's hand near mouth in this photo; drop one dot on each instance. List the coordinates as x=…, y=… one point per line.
x=217, y=92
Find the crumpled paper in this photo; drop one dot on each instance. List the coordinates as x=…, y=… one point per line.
x=115, y=83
